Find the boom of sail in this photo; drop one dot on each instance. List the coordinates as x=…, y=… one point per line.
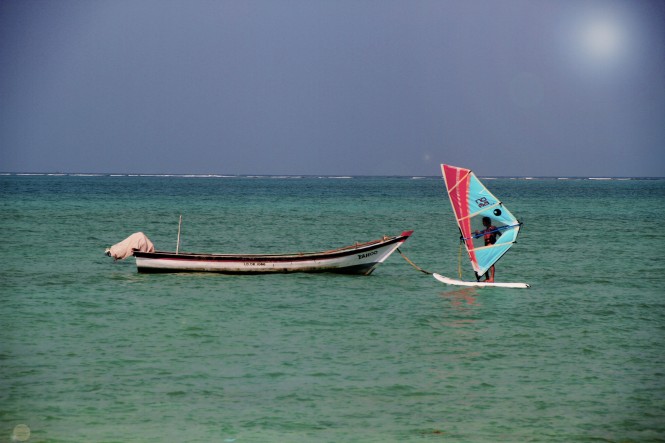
x=471, y=202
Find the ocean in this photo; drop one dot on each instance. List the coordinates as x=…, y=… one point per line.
x=92, y=351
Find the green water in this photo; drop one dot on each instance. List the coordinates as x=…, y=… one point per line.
x=91, y=351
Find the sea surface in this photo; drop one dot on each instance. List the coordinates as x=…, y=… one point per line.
x=92, y=351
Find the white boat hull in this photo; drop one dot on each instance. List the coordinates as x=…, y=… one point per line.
x=357, y=259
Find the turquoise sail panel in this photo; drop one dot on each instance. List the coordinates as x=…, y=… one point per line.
x=482, y=203
x=487, y=257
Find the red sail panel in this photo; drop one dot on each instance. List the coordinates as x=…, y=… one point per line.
x=457, y=183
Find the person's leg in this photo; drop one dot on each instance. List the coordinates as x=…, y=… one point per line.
x=491, y=276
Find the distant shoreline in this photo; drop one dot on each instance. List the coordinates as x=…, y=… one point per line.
x=322, y=176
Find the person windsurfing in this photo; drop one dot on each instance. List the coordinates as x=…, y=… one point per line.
x=473, y=204
x=490, y=233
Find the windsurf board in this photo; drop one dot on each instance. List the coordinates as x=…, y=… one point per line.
x=479, y=284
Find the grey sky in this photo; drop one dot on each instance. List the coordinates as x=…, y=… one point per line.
x=509, y=87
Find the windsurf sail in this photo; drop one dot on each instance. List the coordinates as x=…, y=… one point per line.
x=471, y=202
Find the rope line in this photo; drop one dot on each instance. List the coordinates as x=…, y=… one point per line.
x=412, y=263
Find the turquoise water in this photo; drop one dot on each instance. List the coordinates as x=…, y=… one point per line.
x=91, y=351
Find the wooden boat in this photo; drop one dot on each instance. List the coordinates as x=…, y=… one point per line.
x=360, y=258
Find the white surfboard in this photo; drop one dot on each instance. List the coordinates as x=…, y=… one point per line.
x=479, y=284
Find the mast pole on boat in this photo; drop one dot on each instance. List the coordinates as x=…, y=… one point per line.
x=177, y=246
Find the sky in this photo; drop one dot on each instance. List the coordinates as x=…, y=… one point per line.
x=333, y=87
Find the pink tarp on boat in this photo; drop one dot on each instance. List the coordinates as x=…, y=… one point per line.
x=125, y=248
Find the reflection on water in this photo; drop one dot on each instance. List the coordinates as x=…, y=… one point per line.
x=462, y=323
x=460, y=309
x=462, y=300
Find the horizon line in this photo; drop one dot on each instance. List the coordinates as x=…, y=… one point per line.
x=218, y=175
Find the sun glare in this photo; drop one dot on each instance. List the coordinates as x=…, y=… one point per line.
x=602, y=39
x=597, y=40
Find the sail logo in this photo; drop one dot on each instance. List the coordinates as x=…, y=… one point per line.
x=482, y=202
